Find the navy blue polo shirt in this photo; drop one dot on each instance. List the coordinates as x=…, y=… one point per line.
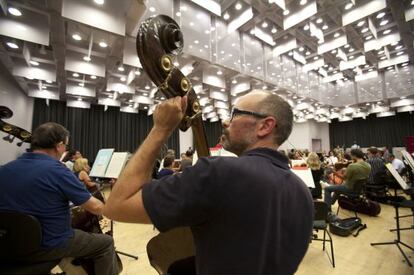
x=40, y=185
x=248, y=215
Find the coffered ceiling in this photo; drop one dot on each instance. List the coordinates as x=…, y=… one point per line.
x=329, y=58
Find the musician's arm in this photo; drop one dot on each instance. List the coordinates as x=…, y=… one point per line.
x=86, y=179
x=94, y=206
x=125, y=202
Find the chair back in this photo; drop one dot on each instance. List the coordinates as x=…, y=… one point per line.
x=359, y=186
x=20, y=234
x=321, y=211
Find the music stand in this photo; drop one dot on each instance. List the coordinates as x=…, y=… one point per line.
x=405, y=204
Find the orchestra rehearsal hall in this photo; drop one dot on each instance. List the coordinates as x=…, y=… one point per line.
x=208, y=137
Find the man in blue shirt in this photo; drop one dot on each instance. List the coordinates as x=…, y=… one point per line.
x=38, y=184
x=248, y=215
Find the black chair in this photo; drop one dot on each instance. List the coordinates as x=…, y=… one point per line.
x=398, y=242
x=20, y=235
x=320, y=222
x=356, y=195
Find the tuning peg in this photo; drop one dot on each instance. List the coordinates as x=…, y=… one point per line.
x=9, y=138
x=19, y=143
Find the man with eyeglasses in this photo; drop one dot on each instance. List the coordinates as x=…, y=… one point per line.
x=248, y=215
x=38, y=184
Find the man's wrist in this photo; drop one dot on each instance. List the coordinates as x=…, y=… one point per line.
x=162, y=132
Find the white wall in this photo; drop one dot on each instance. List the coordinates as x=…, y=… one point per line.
x=303, y=133
x=22, y=106
x=186, y=140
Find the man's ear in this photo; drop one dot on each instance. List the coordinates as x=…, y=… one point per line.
x=266, y=126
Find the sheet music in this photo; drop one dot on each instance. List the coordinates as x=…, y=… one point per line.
x=397, y=176
x=101, y=163
x=409, y=158
x=117, y=163
x=304, y=174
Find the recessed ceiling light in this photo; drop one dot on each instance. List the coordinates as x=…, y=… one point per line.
x=152, y=9
x=99, y=2
x=306, y=27
x=196, y=42
x=122, y=78
x=351, y=57
x=336, y=34
x=316, y=58
x=121, y=69
x=238, y=6
x=49, y=81
x=333, y=52
x=219, y=72
x=400, y=53
x=398, y=47
x=368, y=37
x=12, y=45
x=404, y=64
x=264, y=25
x=274, y=30
x=87, y=58
x=383, y=57
x=252, y=31
x=351, y=50
x=286, y=12
x=364, y=30
x=81, y=84
x=319, y=20
x=147, y=87
x=383, y=22
x=380, y=15
x=360, y=23
x=307, y=53
x=370, y=70
x=226, y=16
x=303, y=2
x=301, y=49
x=75, y=75
x=79, y=99
x=103, y=44
x=348, y=6
x=290, y=53
x=386, y=32
x=76, y=37
x=34, y=63
x=93, y=77
x=346, y=46
x=14, y=11
x=381, y=52
x=324, y=27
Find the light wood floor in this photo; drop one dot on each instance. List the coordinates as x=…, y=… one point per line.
x=353, y=255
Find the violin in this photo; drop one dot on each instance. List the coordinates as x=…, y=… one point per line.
x=159, y=39
x=11, y=130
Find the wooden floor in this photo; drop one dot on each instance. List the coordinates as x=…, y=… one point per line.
x=353, y=255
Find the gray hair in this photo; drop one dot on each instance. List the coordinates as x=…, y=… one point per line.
x=274, y=105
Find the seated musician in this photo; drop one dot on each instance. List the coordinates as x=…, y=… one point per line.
x=317, y=172
x=248, y=215
x=377, y=166
x=168, y=167
x=81, y=169
x=357, y=170
x=38, y=184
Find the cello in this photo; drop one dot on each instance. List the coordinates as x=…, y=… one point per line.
x=159, y=39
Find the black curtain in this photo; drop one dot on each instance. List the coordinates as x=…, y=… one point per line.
x=93, y=129
x=213, y=132
x=372, y=131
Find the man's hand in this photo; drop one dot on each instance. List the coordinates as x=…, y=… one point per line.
x=169, y=114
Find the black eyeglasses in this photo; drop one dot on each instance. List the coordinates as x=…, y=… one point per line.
x=236, y=112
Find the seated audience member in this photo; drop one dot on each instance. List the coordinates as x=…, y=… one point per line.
x=377, y=166
x=71, y=157
x=43, y=187
x=186, y=160
x=81, y=169
x=170, y=152
x=317, y=173
x=396, y=163
x=358, y=170
x=168, y=167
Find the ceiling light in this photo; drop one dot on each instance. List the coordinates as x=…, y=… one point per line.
x=301, y=49
x=12, y=45
x=404, y=64
x=87, y=58
x=274, y=30
x=290, y=53
x=147, y=87
x=360, y=23
x=49, y=81
x=81, y=84
x=79, y=99
x=315, y=58
x=196, y=42
x=333, y=52
x=264, y=25
x=99, y=2
x=307, y=53
x=319, y=20
x=383, y=22
x=234, y=81
x=348, y=6
x=398, y=47
x=34, y=63
x=351, y=57
x=303, y=2
x=400, y=53
x=383, y=57
x=252, y=32
x=14, y=11
x=238, y=6
x=137, y=72
x=351, y=50
x=370, y=70
x=152, y=9
x=121, y=69
x=93, y=77
x=219, y=72
x=336, y=34
x=122, y=78
x=381, y=52
x=368, y=37
x=380, y=15
x=324, y=27
x=306, y=27
x=103, y=44
x=386, y=32
x=364, y=30
x=75, y=75
x=286, y=12
x=76, y=37
x=226, y=16
x=346, y=46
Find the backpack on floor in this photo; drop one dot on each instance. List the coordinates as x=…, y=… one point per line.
x=346, y=227
x=364, y=206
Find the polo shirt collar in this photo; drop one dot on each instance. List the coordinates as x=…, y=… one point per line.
x=274, y=156
x=31, y=155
